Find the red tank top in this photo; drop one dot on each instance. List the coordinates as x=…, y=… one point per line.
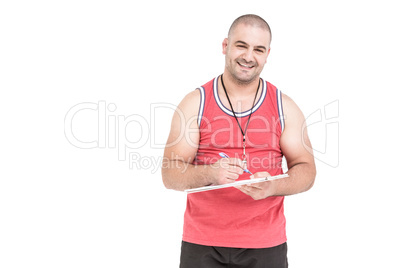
x=227, y=217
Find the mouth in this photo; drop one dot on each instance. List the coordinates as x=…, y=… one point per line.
x=248, y=66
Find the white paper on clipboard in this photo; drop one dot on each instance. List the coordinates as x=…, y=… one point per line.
x=236, y=183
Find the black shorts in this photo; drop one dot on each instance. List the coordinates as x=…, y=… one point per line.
x=198, y=256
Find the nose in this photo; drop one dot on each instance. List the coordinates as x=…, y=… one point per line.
x=248, y=55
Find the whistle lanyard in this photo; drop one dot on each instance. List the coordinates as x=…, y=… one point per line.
x=237, y=120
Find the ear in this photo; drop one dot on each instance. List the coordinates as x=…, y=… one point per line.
x=266, y=59
x=224, y=45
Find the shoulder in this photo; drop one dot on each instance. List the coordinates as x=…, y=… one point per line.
x=193, y=100
x=293, y=116
x=289, y=105
x=190, y=103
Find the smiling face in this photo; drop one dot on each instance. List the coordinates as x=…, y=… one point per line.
x=246, y=50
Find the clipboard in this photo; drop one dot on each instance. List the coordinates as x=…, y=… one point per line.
x=236, y=183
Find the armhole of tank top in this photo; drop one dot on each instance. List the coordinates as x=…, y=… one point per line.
x=280, y=108
x=202, y=104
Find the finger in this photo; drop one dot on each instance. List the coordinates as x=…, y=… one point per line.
x=236, y=170
x=250, y=191
x=236, y=162
x=232, y=176
x=262, y=174
x=232, y=162
x=242, y=189
x=247, y=188
x=253, y=186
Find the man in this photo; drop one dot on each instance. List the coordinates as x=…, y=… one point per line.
x=247, y=118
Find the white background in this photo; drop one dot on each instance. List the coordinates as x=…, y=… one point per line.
x=64, y=206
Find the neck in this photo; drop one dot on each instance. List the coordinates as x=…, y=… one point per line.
x=239, y=97
x=238, y=88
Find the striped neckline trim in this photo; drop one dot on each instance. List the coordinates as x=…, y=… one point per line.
x=245, y=113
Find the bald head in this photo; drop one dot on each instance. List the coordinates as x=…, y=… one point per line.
x=252, y=20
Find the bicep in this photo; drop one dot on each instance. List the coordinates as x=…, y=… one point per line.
x=295, y=143
x=183, y=140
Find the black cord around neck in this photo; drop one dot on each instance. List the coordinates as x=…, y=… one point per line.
x=231, y=107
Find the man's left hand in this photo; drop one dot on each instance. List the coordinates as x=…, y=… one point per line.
x=259, y=190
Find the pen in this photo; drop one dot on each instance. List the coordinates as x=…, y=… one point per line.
x=223, y=155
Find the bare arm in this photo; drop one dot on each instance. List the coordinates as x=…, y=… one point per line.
x=178, y=172
x=296, y=148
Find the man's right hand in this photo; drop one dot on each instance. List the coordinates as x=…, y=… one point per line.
x=226, y=170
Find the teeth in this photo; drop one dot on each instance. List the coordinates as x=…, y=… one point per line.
x=245, y=65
